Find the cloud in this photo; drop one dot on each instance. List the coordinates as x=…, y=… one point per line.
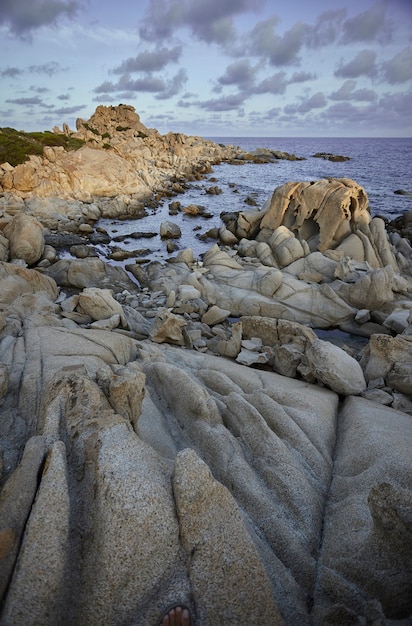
x=399, y=68
x=391, y=111
x=301, y=77
x=64, y=96
x=316, y=101
x=149, y=61
x=50, y=68
x=11, y=72
x=22, y=16
x=174, y=85
x=225, y=103
x=69, y=110
x=208, y=20
x=164, y=88
x=240, y=73
x=348, y=114
x=275, y=84
x=278, y=50
x=371, y=25
x=364, y=64
x=39, y=89
x=348, y=91
x=398, y=103
x=326, y=30
x=26, y=101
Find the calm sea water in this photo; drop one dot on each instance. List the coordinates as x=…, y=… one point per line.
x=381, y=166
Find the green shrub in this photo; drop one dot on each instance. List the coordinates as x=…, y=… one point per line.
x=16, y=146
x=121, y=128
x=88, y=127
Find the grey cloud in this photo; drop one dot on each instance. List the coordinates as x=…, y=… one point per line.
x=39, y=89
x=399, y=103
x=105, y=97
x=364, y=64
x=64, y=96
x=347, y=113
x=173, y=86
x=11, y=72
x=399, y=68
x=50, y=68
x=348, y=91
x=165, y=88
x=240, y=73
x=317, y=101
x=106, y=87
x=392, y=111
x=149, y=84
x=275, y=84
x=149, y=61
x=279, y=50
x=209, y=20
x=226, y=103
x=275, y=112
x=301, y=77
x=26, y=101
x=371, y=25
x=326, y=30
x=22, y=17
x=69, y=110
x=185, y=104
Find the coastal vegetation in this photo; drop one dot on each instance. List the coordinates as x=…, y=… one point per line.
x=16, y=146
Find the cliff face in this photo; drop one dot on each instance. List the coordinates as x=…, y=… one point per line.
x=121, y=156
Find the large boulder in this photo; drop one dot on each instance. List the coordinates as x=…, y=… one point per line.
x=322, y=212
x=26, y=238
x=99, y=304
x=16, y=281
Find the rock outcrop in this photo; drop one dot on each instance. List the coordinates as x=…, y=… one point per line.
x=166, y=475
x=121, y=158
x=183, y=432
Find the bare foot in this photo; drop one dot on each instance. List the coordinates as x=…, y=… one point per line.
x=177, y=616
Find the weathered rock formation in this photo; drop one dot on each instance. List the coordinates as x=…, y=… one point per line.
x=136, y=474
x=179, y=432
x=121, y=158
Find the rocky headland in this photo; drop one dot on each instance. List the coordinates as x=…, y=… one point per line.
x=231, y=432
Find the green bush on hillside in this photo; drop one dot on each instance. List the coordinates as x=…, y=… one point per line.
x=16, y=146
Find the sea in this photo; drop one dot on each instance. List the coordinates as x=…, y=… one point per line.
x=380, y=166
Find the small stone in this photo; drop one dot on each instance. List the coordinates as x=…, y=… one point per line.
x=378, y=395
x=215, y=315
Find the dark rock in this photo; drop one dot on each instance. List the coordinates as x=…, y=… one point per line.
x=214, y=190
x=100, y=236
x=64, y=240
x=330, y=157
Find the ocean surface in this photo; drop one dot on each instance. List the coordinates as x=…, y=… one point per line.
x=381, y=166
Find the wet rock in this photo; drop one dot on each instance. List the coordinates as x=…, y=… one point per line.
x=169, y=230
x=331, y=157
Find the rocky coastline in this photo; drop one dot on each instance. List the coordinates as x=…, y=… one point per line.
x=200, y=430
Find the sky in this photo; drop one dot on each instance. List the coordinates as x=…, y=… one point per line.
x=214, y=68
